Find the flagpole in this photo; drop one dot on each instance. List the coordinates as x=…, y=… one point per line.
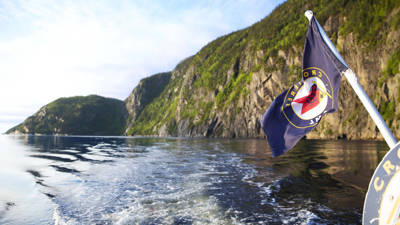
x=376, y=117
x=365, y=100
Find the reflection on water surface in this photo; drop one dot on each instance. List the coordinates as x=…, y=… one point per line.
x=119, y=180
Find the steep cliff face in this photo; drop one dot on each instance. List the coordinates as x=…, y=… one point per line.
x=224, y=89
x=90, y=115
x=145, y=92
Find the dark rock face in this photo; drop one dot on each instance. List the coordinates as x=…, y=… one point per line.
x=147, y=89
x=225, y=88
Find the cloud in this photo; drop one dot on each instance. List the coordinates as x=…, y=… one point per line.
x=52, y=49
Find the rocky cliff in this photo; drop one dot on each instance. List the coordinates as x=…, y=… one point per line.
x=146, y=91
x=90, y=115
x=224, y=89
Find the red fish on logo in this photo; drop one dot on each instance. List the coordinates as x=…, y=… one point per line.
x=309, y=101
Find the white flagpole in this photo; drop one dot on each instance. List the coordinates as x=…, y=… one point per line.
x=352, y=79
x=373, y=112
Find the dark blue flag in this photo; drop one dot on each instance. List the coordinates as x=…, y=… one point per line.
x=299, y=109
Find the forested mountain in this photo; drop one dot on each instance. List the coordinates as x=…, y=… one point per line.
x=90, y=115
x=223, y=90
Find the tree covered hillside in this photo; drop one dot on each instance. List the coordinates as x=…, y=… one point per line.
x=90, y=115
x=225, y=88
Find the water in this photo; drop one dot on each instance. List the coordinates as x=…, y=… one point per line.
x=118, y=180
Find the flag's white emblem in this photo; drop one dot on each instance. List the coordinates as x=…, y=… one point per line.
x=306, y=101
x=311, y=99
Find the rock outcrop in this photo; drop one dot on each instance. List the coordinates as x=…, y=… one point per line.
x=224, y=89
x=145, y=92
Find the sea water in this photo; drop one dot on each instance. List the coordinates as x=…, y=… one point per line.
x=142, y=180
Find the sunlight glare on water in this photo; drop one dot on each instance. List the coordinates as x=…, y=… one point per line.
x=20, y=200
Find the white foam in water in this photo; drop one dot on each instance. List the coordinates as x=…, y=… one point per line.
x=162, y=183
x=58, y=219
x=146, y=190
x=174, y=202
x=303, y=215
x=100, y=151
x=201, y=210
x=288, y=215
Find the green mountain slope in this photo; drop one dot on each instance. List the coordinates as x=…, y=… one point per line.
x=90, y=115
x=225, y=88
x=145, y=92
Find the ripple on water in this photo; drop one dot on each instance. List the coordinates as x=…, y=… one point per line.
x=186, y=181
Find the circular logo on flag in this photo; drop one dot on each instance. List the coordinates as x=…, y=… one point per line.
x=308, y=100
x=311, y=99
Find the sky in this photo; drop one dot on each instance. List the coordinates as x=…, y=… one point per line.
x=52, y=49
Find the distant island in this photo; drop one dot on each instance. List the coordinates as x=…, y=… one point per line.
x=223, y=90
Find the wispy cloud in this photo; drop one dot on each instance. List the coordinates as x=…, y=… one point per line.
x=52, y=49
